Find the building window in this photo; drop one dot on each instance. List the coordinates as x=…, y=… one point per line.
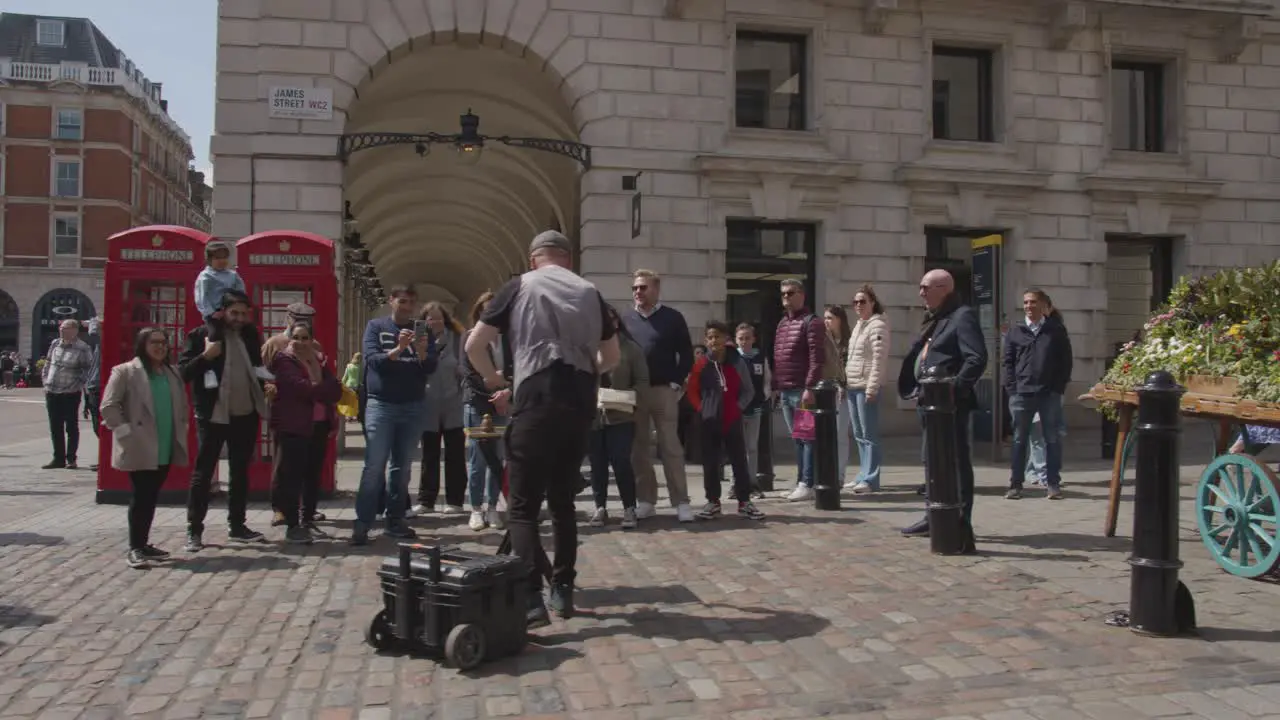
x=66, y=235
x=70, y=125
x=66, y=178
x=51, y=32
x=963, y=101
x=1138, y=106
x=758, y=257
x=772, y=81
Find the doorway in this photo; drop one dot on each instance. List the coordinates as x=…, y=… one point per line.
x=759, y=256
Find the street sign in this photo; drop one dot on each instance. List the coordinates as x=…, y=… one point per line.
x=299, y=103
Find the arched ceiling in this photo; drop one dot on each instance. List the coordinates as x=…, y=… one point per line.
x=451, y=224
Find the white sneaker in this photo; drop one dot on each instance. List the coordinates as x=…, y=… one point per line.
x=851, y=484
x=410, y=513
x=628, y=518
x=453, y=509
x=863, y=489
x=599, y=517
x=684, y=513
x=801, y=493
x=645, y=510
x=420, y=509
x=497, y=521
x=477, y=521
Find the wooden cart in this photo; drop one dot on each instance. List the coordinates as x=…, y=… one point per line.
x=1238, y=496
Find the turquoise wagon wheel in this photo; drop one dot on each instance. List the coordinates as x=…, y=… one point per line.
x=1236, y=506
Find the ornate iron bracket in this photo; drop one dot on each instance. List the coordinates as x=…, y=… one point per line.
x=348, y=144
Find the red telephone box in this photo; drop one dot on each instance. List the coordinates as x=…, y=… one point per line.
x=282, y=267
x=149, y=279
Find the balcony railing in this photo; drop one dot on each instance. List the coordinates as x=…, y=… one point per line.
x=86, y=75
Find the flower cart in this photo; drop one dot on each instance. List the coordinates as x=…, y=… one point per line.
x=1220, y=336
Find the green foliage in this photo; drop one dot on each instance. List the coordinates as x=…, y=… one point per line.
x=1223, y=325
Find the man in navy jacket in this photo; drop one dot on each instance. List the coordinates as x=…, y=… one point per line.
x=397, y=363
x=1037, y=367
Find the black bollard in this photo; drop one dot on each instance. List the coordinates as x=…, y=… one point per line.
x=826, y=450
x=764, y=454
x=1158, y=603
x=949, y=534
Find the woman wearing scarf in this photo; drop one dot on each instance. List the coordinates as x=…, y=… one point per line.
x=302, y=416
x=145, y=407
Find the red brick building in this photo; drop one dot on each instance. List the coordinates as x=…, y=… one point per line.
x=87, y=149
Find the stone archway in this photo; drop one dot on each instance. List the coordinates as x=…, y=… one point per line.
x=50, y=310
x=10, y=320
x=446, y=220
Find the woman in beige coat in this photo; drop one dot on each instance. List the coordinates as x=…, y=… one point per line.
x=865, y=373
x=145, y=408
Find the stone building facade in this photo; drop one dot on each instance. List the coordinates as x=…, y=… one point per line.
x=1111, y=146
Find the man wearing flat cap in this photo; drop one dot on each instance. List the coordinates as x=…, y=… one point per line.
x=295, y=313
x=562, y=339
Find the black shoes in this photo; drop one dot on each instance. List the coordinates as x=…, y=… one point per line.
x=55, y=465
x=919, y=529
x=561, y=600
x=241, y=533
x=194, y=542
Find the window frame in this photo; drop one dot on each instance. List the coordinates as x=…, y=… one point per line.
x=1170, y=88
x=53, y=234
x=57, y=161
x=58, y=124
x=988, y=131
x=43, y=25
x=804, y=38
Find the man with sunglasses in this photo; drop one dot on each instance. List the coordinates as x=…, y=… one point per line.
x=663, y=334
x=799, y=350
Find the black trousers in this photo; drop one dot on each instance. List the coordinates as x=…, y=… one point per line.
x=92, y=399
x=964, y=455
x=455, y=467
x=717, y=444
x=239, y=436
x=64, y=424
x=142, y=505
x=295, y=489
x=546, y=441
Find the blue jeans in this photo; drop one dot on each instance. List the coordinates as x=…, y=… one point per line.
x=865, y=418
x=1023, y=409
x=392, y=432
x=479, y=466
x=804, y=450
x=610, y=445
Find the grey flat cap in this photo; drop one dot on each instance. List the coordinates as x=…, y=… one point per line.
x=300, y=310
x=550, y=240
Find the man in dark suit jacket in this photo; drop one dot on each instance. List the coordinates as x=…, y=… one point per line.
x=950, y=339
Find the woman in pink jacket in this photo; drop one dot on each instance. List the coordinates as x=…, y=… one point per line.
x=865, y=373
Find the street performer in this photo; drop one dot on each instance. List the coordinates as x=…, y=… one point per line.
x=558, y=327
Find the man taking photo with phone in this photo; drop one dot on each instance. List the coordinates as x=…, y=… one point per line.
x=398, y=358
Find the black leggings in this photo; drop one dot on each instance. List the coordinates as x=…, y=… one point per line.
x=297, y=482
x=142, y=506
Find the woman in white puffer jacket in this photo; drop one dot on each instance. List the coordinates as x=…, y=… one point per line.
x=865, y=374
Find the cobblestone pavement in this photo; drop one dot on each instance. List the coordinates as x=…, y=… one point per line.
x=805, y=615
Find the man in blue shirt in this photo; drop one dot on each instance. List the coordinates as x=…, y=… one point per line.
x=397, y=363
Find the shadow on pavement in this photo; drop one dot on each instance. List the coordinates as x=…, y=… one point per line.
x=19, y=493
x=209, y=563
x=1213, y=634
x=25, y=539
x=1063, y=541
x=13, y=616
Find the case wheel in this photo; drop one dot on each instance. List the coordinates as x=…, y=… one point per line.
x=465, y=646
x=379, y=634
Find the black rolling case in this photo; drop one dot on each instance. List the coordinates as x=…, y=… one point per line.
x=467, y=606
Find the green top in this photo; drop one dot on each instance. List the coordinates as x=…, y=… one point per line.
x=162, y=401
x=351, y=376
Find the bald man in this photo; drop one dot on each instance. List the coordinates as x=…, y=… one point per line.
x=950, y=339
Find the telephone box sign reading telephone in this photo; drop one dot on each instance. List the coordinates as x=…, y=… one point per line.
x=273, y=259
x=148, y=255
